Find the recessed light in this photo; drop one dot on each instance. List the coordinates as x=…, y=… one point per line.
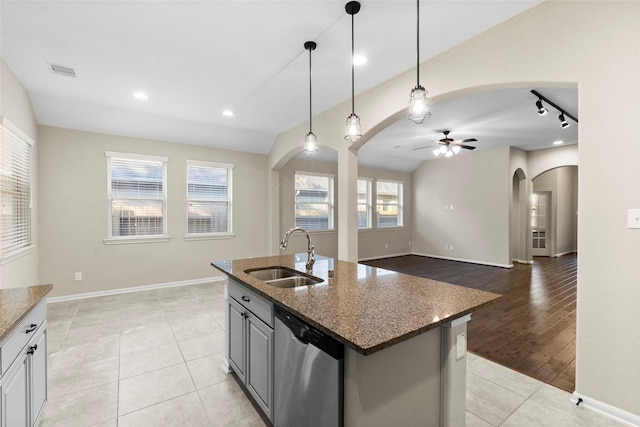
x=359, y=60
x=558, y=142
x=227, y=113
x=141, y=96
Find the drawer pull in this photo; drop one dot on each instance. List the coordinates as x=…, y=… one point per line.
x=32, y=327
x=245, y=298
x=32, y=349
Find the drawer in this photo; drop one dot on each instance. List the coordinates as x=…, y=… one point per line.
x=20, y=336
x=258, y=305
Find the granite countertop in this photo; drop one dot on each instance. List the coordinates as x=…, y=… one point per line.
x=366, y=308
x=15, y=303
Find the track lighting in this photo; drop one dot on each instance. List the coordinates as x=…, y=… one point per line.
x=563, y=122
x=353, y=130
x=418, y=102
x=542, y=110
x=310, y=140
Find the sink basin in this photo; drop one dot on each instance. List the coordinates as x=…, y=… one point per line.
x=283, y=277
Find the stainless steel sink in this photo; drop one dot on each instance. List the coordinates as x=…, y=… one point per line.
x=283, y=277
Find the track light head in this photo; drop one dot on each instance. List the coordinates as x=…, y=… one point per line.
x=563, y=122
x=541, y=108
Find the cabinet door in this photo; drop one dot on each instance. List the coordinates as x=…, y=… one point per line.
x=38, y=367
x=237, y=338
x=15, y=398
x=260, y=362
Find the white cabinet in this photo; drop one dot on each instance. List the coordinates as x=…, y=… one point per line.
x=23, y=385
x=250, y=327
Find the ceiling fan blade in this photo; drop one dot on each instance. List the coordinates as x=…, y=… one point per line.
x=468, y=147
x=422, y=148
x=462, y=141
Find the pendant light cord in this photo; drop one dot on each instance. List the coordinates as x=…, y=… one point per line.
x=310, y=127
x=353, y=79
x=418, y=42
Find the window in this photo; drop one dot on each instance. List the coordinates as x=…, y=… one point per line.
x=137, y=195
x=364, y=203
x=314, y=201
x=209, y=192
x=15, y=190
x=389, y=204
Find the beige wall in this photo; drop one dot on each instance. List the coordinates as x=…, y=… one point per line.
x=74, y=215
x=596, y=45
x=381, y=242
x=15, y=105
x=562, y=182
x=478, y=225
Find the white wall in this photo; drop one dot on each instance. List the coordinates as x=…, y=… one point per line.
x=478, y=187
x=595, y=45
x=74, y=210
x=15, y=105
x=382, y=242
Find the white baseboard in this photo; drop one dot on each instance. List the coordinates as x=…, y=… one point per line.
x=564, y=253
x=471, y=261
x=607, y=410
x=522, y=261
x=384, y=256
x=137, y=289
x=226, y=368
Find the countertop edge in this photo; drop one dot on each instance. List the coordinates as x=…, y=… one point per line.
x=11, y=321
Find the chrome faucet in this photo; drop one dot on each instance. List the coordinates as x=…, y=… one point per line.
x=311, y=256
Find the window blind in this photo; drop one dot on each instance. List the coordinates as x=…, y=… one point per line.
x=389, y=203
x=364, y=203
x=314, y=201
x=15, y=189
x=209, y=198
x=137, y=194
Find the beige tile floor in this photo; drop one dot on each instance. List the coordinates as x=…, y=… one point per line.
x=153, y=358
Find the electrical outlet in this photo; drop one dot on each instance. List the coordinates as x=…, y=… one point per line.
x=461, y=346
x=450, y=247
x=451, y=207
x=386, y=246
x=633, y=218
x=78, y=275
x=446, y=247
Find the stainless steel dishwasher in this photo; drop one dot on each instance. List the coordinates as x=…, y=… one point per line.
x=308, y=375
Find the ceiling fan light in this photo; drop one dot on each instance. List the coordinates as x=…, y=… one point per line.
x=354, y=130
x=443, y=149
x=419, y=105
x=310, y=144
x=436, y=152
x=449, y=153
x=456, y=149
x=541, y=108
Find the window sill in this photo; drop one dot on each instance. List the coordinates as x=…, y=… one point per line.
x=321, y=231
x=366, y=229
x=141, y=239
x=16, y=254
x=196, y=237
x=390, y=228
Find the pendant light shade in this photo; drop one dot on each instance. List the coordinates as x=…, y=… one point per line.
x=310, y=140
x=419, y=101
x=353, y=130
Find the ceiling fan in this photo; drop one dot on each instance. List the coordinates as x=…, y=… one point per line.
x=449, y=146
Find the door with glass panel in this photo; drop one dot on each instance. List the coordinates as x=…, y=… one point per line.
x=540, y=223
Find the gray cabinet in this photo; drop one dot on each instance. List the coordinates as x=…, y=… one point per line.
x=23, y=385
x=250, y=326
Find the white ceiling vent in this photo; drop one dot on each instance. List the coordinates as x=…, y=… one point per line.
x=62, y=70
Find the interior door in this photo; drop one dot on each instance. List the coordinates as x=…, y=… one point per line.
x=540, y=223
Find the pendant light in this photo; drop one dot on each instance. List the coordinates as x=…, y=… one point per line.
x=353, y=130
x=419, y=102
x=310, y=140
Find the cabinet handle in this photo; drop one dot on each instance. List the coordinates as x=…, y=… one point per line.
x=32, y=349
x=245, y=298
x=32, y=327
x=244, y=315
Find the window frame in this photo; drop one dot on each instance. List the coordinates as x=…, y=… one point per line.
x=368, y=203
x=330, y=203
x=229, y=200
x=399, y=204
x=146, y=238
x=19, y=144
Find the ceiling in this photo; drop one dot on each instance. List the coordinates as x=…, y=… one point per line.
x=195, y=59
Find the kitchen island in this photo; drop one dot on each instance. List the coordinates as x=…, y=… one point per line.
x=404, y=336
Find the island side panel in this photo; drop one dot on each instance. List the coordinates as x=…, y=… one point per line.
x=454, y=372
x=400, y=385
